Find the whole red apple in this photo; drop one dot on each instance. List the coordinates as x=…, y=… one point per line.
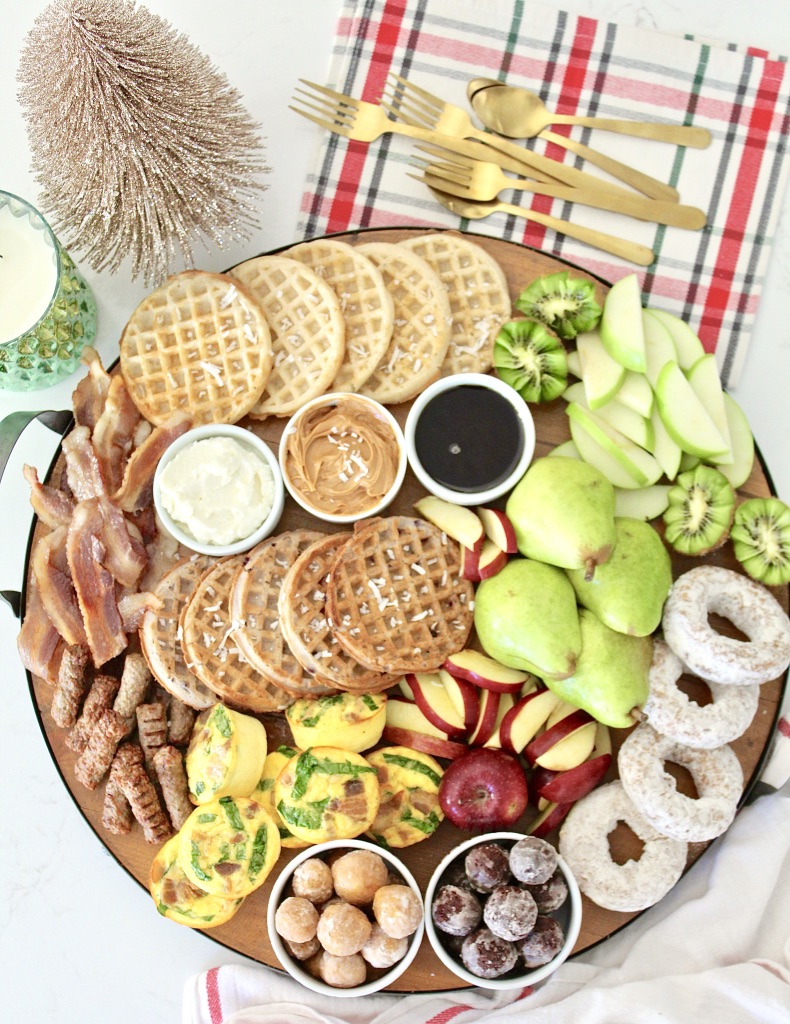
x=484, y=790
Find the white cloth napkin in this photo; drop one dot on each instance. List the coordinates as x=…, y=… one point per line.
x=717, y=948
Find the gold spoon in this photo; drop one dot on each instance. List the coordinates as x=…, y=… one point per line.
x=631, y=251
x=519, y=114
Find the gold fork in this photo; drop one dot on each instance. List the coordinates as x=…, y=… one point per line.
x=414, y=105
x=479, y=179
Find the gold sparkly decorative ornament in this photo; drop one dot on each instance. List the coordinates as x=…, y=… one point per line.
x=140, y=146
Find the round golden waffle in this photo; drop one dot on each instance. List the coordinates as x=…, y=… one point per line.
x=396, y=598
x=160, y=634
x=306, y=626
x=200, y=344
x=479, y=298
x=366, y=304
x=421, y=331
x=254, y=605
x=307, y=328
x=210, y=649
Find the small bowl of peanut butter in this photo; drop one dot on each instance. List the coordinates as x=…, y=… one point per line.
x=343, y=457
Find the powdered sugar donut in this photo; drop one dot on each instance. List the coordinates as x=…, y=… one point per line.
x=717, y=776
x=748, y=605
x=670, y=711
x=584, y=845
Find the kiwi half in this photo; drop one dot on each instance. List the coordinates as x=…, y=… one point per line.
x=531, y=359
x=700, y=511
x=565, y=304
x=761, y=539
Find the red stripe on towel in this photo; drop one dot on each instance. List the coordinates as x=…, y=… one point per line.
x=212, y=995
x=446, y=1015
x=784, y=728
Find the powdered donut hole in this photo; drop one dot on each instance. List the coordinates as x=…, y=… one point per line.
x=312, y=879
x=342, y=971
x=296, y=919
x=381, y=950
x=358, y=874
x=487, y=866
x=398, y=910
x=550, y=895
x=533, y=860
x=510, y=912
x=543, y=943
x=456, y=911
x=303, y=950
x=486, y=955
x=343, y=929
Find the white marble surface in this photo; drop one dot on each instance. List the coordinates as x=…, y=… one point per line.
x=79, y=940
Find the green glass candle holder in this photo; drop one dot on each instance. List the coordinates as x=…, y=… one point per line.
x=47, y=309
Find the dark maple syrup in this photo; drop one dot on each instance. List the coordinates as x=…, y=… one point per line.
x=469, y=438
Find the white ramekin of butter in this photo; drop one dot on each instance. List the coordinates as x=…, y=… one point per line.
x=343, y=457
x=218, y=489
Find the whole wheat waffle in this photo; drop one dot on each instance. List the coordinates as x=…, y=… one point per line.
x=160, y=634
x=210, y=650
x=307, y=328
x=366, y=304
x=200, y=344
x=421, y=331
x=254, y=605
x=304, y=622
x=396, y=598
x=479, y=298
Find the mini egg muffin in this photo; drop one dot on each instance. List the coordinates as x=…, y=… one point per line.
x=409, y=810
x=229, y=846
x=275, y=761
x=351, y=721
x=226, y=754
x=177, y=898
x=327, y=793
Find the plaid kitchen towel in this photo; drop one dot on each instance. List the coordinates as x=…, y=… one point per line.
x=712, y=278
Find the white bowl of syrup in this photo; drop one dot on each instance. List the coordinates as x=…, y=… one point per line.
x=469, y=438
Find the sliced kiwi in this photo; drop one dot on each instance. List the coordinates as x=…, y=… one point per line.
x=565, y=304
x=531, y=359
x=761, y=539
x=699, y=515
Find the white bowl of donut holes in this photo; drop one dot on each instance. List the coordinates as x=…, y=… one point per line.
x=503, y=910
x=345, y=918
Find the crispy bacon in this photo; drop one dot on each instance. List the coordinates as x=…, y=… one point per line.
x=89, y=395
x=114, y=431
x=52, y=505
x=51, y=570
x=138, y=481
x=38, y=642
x=94, y=585
x=133, y=606
x=83, y=471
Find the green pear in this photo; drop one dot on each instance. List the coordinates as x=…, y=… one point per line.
x=628, y=591
x=526, y=617
x=611, y=677
x=562, y=511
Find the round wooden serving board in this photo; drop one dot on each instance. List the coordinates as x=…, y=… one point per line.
x=246, y=932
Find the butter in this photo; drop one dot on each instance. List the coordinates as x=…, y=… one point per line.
x=217, y=490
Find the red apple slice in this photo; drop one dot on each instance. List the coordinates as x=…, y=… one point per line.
x=432, y=745
x=487, y=718
x=570, y=751
x=492, y=558
x=550, y=737
x=562, y=710
x=499, y=529
x=506, y=702
x=524, y=719
x=407, y=726
x=464, y=695
x=434, y=702
x=457, y=521
x=549, y=818
x=485, y=672
x=470, y=564
x=571, y=785
x=405, y=688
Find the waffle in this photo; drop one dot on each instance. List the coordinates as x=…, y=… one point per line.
x=366, y=304
x=479, y=298
x=160, y=634
x=307, y=328
x=199, y=343
x=396, y=598
x=421, y=331
x=254, y=604
x=307, y=629
x=210, y=650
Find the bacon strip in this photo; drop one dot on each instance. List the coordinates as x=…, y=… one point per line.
x=89, y=395
x=112, y=436
x=55, y=586
x=38, y=640
x=132, y=608
x=52, y=506
x=138, y=480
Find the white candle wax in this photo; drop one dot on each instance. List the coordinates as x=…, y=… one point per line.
x=28, y=270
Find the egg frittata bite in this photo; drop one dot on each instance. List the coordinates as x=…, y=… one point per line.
x=179, y=899
x=352, y=721
x=225, y=755
x=275, y=761
x=409, y=810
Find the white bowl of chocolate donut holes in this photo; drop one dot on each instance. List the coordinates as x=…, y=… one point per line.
x=503, y=910
x=345, y=918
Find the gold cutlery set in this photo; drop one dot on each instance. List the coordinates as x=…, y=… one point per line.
x=464, y=166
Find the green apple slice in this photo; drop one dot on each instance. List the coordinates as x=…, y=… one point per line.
x=636, y=393
x=567, y=450
x=591, y=452
x=574, y=363
x=621, y=324
x=687, y=420
x=687, y=345
x=667, y=452
x=617, y=415
x=639, y=463
x=601, y=374
x=704, y=379
x=740, y=469
x=643, y=503
x=659, y=346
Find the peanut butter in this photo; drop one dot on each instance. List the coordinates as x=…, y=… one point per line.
x=343, y=457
